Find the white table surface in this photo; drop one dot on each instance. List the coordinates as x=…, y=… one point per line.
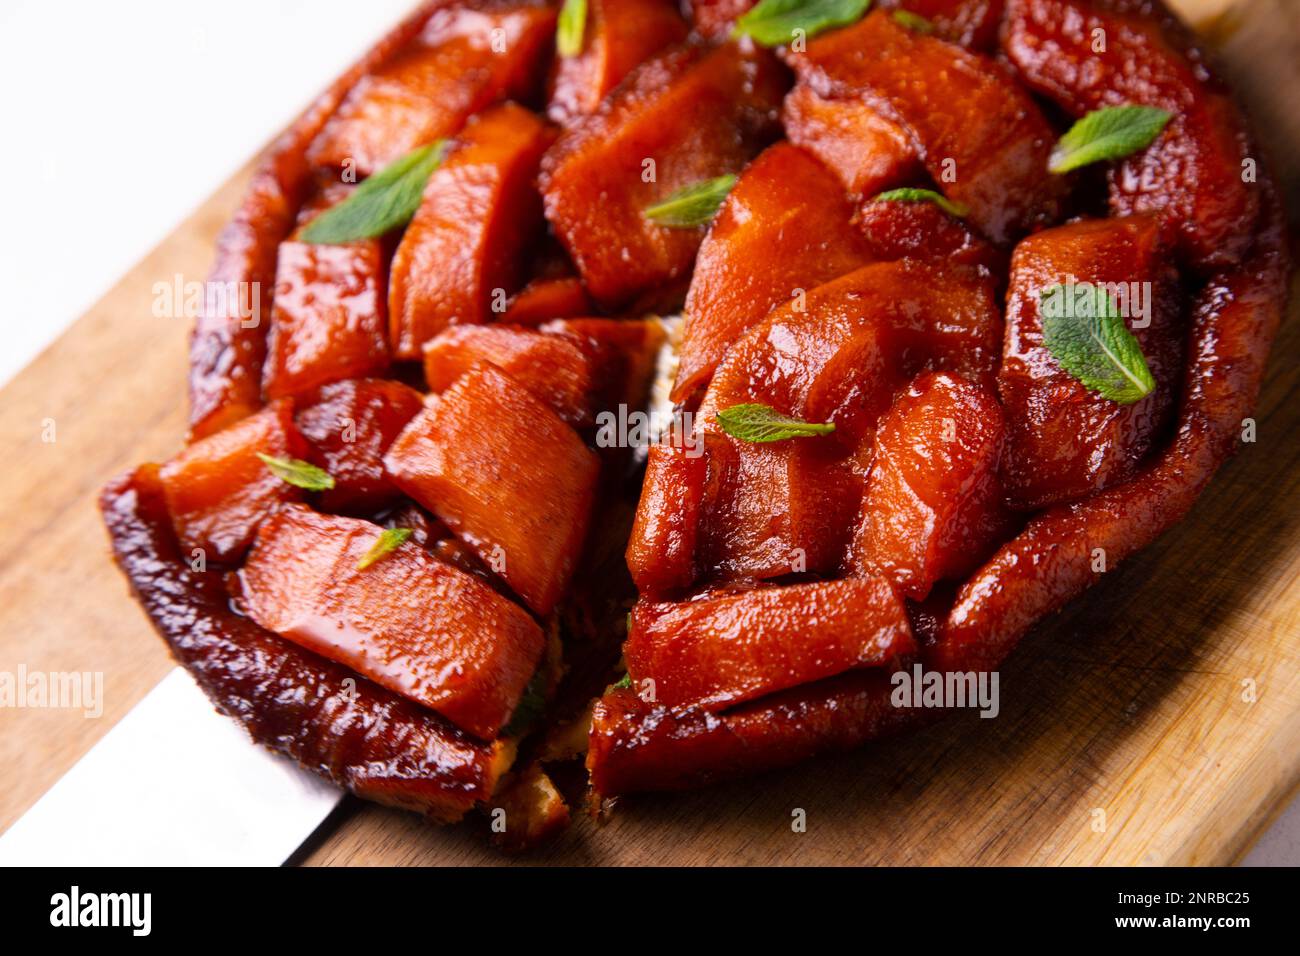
x=120, y=118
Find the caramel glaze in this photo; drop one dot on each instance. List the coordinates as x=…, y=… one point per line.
x=368, y=740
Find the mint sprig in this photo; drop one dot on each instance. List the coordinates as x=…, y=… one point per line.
x=1083, y=329
x=762, y=423
x=774, y=22
x=389, y=540
x=693, y=205
x=912, y=194
x=1110, y=133
x=301, y=474
x=570, y=28
x=386, y=200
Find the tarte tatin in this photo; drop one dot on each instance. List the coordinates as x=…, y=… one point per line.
x=976, y=296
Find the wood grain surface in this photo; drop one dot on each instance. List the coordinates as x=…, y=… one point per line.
x=1127, y=733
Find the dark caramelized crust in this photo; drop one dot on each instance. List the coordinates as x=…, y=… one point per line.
x=369, y=740
x=637, y=746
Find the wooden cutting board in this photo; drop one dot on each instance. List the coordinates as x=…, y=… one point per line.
x=1155, y=721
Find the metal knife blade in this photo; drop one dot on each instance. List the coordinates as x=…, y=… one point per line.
x=173, y=783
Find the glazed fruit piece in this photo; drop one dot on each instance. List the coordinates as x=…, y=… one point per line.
x=1193, y=175
x=417, y=626
x=463, y=61
x=982, y=139
x=218, y=491
x=553, y=367
x=619, y=35
x=478, y=216
x=788, y=506
x=715, y=652
x=868, y=152
x=507, y=475
x=228, y=344
x=330, y=319
x=661, y=549
x=1064, y=440
x=933, y=504
x=622, y=353
x=921, y=230
x=696, y=114
x=348, y=427
x=544, y=299
x=784, y=227
x=364, y=738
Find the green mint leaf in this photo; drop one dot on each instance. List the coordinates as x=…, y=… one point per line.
x=1083, y=329
x=386, y=200
x=302, y=474
x=695, y=205
x=624, y=681
x=911, y=194
x=762, y=423
x=1110, y=133
x=913, y=21
x=387, y=542
x=570, y=27
x=774, y=22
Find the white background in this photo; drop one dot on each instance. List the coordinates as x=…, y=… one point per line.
x=119, y=118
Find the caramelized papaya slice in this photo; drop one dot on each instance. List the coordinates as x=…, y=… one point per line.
x=330, y=318
x=1065, y=441
x=544, y=299
x=218, y=491
x=716, y=652
x=788, y=506
x=550, y=366
x=786, y=226
x=507, y=475
x=685, y=116
x=868, y=152
x=1193, y=174
x=417, y=626
x=462, y=62
x=349, y=425
x=479, y=213
x=619, y=35
x=638, y=746
x=661, y=549
x=921, y=230
x=354, y=733
x=933, y=505
x=981, y=137
x=972, y=23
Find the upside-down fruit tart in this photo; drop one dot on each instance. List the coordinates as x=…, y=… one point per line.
x=971, y=292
